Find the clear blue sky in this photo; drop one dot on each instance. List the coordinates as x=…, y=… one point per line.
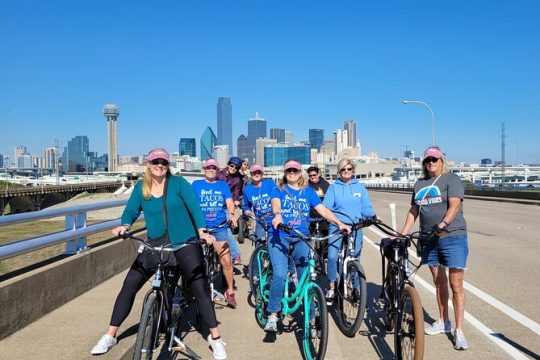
x=301, y=64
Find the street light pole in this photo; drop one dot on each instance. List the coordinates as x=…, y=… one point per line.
x=6, y=160
x=432, y=116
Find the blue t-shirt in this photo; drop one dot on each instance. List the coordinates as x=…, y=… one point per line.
x=212, y=197
x=258, y=199
x=293, y=200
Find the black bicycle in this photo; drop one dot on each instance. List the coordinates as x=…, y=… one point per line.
x=399, y=298
x=212, y=265
x=163, y=305
x=351, y=290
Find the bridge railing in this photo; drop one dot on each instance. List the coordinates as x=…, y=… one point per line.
x=74, y=235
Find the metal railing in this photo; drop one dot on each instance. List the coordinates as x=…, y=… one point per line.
x=74, y=235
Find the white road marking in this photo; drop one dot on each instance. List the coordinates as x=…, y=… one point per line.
x=490, y=334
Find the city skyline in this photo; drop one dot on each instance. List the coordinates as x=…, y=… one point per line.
x=302, y=65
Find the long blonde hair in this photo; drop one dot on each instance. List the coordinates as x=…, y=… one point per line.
x=283, y=181
x=147, y=183
x=425, y=173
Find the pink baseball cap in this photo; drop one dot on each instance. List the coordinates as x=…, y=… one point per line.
x=292, y=164
x=433, y=151
x=157, y=154
x=256, y=167
x=210, y=162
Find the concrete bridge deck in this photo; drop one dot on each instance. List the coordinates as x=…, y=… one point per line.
x=503, y=262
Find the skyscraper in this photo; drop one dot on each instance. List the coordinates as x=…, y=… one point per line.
x=224, y=122
x=316, y=138
x=276, y=155
x=49, y=157
x=241, y=147
x=256, y=129
x=75, y=157
x=208, y=141
x=186, y=146
x=19, y=152
x=278, y=134
x=289, y=137
x=221, y=154
x=350, y=126
x=111, y=112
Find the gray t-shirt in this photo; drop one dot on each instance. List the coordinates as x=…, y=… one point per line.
x=432, y=197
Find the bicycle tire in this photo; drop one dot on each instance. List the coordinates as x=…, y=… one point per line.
x=147, y=333
x=352, y=307
x=412, y=325
x=261, y=301
x=315, y=337
x=259, y=253
x=242, y=226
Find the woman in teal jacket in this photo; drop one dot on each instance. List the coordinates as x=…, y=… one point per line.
x=349, y=196
x=184, y=221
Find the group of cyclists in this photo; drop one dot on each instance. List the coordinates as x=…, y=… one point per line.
x=223, y=195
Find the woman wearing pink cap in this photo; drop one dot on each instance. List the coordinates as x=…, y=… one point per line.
x=291, y=203
x=184, y=221
x=438, y=200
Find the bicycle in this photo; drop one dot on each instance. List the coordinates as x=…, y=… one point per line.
x=351, y=289
x=163, y=306
x=243, y=228
x=212, y=266
x=307, y=293
x=259, y=260
x=399, y=298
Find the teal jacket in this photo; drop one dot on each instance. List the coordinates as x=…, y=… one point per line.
x=184, y=214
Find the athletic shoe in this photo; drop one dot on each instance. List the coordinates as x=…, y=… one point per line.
x=439, y=327
x=104, y=344
x=237, y=260
x=271, y=324
x=460, y=343
x=231, y=299
x=219, y=349
x=330, y=296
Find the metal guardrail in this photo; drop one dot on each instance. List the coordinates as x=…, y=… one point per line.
x=74, y=235
x=46, y=189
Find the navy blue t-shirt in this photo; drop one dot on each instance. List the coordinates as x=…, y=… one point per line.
x=212, y=197
x=293, y=200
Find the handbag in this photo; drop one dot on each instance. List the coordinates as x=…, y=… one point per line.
x=149, y=259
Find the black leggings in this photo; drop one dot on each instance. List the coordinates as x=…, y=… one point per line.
x=190, y=259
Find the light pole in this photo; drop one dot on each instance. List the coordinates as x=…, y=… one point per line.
x=6, y=160
x=432, y=117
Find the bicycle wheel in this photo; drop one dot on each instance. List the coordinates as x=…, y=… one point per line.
x=259, y=260
x=242, y=227
x=261, y=301
x=148, y=329
x=351, y=301
x=315, y=324
x=412, y=325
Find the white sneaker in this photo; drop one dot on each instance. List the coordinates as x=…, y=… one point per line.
x=271, y=324
x=460, y=343
x=218, y=348
x=104, y=344
x=329, y=297
x=439, y=327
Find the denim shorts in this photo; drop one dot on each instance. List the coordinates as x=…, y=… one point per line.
x=451, y=251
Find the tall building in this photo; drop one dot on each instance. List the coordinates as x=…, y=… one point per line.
x=350, y=127
x=289, y=137
x=18, y=152
x=224, y=122
x=241, y=147
x=260, y=144
x=340, y=141
x=278, y=134
x=186, y=146
x=207, y=142
x=2, y=161
x=76, y=155
x=221, y=154
x=25, y=161
x=256, y=129
x=316, y=138
x=50, y=157
x=276, y=155
x=111, y=112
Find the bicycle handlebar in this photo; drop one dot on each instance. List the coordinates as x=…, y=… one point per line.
x=289, y=229
x=148, y=245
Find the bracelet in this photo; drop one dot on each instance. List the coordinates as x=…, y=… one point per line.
x=127, y=225
x=445, y=222
x=277, y=213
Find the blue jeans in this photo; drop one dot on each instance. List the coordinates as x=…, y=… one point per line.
x=228, y=236
x=278, y=248
x=259, y=231
x=450, y=251
x=334, y=248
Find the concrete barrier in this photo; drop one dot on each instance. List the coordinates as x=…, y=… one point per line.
x=26, y=298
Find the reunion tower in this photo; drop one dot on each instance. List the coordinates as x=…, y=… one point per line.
x=111, y=112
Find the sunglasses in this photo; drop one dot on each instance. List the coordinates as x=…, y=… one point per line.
x=233, y=166
x=346, y=169
x=430, y=159
x=159, y=162
x=256, y=173
x=292, y=170
x=313, y=175
x=211, y=167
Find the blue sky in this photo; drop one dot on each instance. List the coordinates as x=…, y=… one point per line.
x=301, y=64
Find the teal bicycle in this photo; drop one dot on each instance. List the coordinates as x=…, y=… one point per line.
x=306, y=295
